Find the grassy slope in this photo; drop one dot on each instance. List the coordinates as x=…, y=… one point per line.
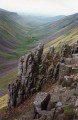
x=4, y=81
x=70, y=38
x=13, y=36
x=3, y=101
x=58, y=28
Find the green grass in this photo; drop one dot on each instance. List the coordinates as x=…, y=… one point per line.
x=69, y=112
x=70, y=38
x=4, y=81
x=3, y=102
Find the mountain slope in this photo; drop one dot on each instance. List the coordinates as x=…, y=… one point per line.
x=65, y=30
x=15, y=32
x=10, y=33
x=58, y=28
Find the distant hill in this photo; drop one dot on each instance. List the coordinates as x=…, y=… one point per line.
x=65, y=30
x=11, y=33
x=15, y=32
x=62, y=30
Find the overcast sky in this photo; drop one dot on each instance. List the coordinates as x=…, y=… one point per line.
x=43, y=7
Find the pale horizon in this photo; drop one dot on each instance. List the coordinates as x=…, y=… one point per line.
x=41, y=7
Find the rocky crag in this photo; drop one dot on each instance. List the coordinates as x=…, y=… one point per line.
x=34, y=69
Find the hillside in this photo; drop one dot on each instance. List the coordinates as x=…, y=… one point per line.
x=15, y=32
x=59, y=28
x=16, y=39
x=11, y=34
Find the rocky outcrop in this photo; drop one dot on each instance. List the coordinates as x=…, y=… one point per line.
x=27, y=77
x=63, y=103
x=35, y=68
x=66, y=51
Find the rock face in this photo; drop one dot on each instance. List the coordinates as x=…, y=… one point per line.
x=66, y=50
x=35, y=68
x=41, y=101
x=63, y=103
x=27, y=77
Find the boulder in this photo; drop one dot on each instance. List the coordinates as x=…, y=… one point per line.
x=41, y=101
x=54, y=99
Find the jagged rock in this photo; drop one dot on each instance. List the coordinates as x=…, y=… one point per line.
x=56, y=71
x=66, y=51
x=50, y=71
x=35, y=68
x=63, y=71
x=56, y=58
x=20, y=67
x=51, y=51
x=27, y=77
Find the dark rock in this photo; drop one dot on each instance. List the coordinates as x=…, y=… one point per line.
x=41, y=101
x=66, y=51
